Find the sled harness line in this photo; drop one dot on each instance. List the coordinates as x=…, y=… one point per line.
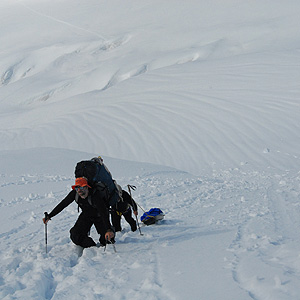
x=133, y=188
x=144, y=211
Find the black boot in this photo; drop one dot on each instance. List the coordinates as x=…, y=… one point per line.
x=133, y=227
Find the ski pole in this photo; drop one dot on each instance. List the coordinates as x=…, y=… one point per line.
x=114, y=248
x=108, y=242
x=132, y=187
x=46, y=238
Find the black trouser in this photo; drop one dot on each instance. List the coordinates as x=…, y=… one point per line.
x=79, y=233
x=116, y=220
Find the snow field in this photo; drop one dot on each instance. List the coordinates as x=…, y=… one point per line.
x=234, y=229
x=196, y=103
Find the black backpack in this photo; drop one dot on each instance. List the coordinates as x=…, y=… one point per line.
x=99, y=177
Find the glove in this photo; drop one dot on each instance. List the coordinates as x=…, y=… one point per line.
x=109, y=235
x=46, y=219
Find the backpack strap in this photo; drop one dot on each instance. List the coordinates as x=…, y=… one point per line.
x=76, y=200
x=90, y=201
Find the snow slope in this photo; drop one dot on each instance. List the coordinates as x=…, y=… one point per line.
x=196, y=103
x=185, y=79
x=228, y=236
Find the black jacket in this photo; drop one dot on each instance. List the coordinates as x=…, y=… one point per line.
x=123, y=206
x=98, y=209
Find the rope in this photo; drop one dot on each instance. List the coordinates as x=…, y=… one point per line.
x=144, y=211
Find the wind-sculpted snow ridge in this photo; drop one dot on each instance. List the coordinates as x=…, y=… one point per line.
x=148, y=87
x=215, y=124
x=235, y=230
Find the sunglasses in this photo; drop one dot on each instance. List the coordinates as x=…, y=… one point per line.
x=80, y=188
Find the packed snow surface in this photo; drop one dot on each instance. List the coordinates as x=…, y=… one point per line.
x=196, y=103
